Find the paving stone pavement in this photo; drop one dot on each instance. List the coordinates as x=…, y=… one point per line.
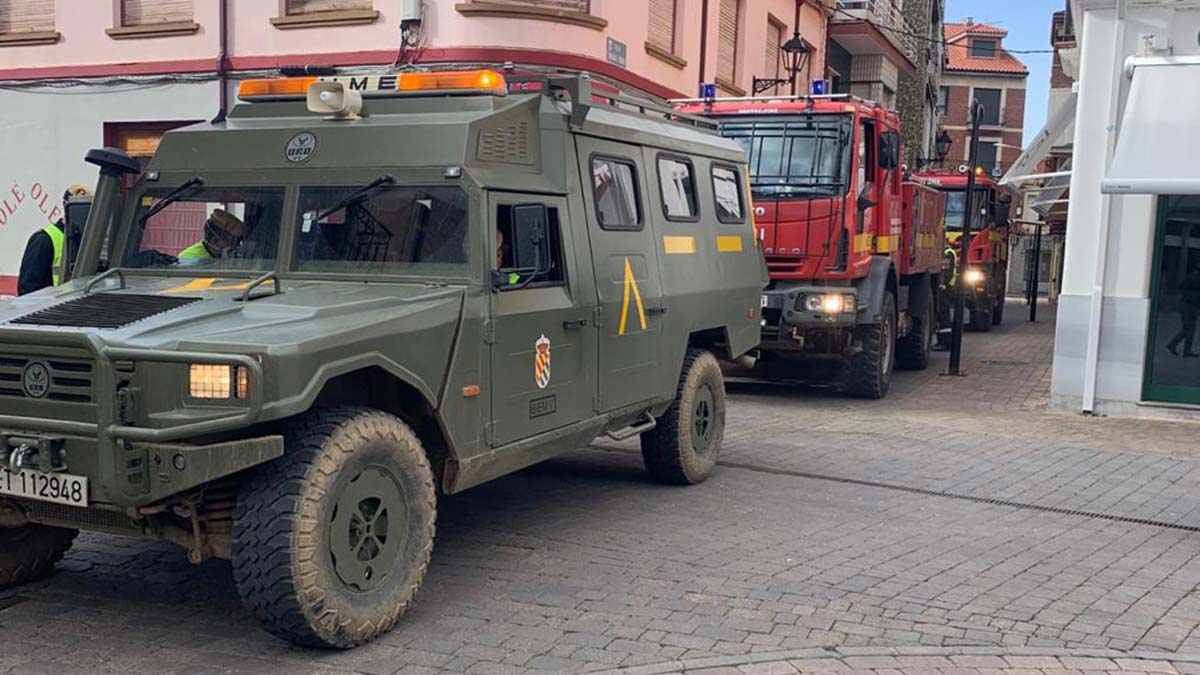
x=956, y=518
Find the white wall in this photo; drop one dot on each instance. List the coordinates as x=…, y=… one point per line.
x=45, y=133
x=1126, y=283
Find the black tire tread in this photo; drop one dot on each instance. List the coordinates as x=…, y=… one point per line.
x=863, y=376
x=660, y=452
x=29, y=552
x=266, y=536
x=912, y=350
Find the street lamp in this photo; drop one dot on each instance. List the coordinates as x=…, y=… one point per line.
x=941, y=145
x=796, y=53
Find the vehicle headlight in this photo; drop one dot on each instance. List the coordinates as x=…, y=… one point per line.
x=218, y=381
x=830, y=303
x=974, y=276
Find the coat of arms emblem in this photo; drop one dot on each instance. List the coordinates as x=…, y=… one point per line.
x=541, y=362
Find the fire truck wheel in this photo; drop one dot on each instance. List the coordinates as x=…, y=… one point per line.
x=981, y=319
x=869, y=372
x=912, y=350
x=682, y=449
x=332, y=540
x=28, y=552
x=998, y=311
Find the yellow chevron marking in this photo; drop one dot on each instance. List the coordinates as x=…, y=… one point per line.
x=631, y=286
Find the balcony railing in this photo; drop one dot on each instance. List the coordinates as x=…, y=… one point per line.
x=885, y=15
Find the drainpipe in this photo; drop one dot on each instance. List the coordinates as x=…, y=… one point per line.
x=796, y=28
x=1092, y=362
x=703, y=40
x=222, y=49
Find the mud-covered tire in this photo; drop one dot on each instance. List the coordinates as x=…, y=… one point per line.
x=29, y=552
x=356, y=482
x=998, y=310
x=869, y=372
x=913, y=350
x=682, y=449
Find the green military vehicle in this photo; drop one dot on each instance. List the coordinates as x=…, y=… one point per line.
x=356, y=294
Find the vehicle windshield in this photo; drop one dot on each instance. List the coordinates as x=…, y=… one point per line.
x=956, y=201
x=215, y=228
x=806, y=155
x=388, y=230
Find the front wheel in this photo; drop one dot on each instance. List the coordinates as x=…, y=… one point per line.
x=869, y=372
x=332, y=540
x=29, y=552
x=682, y=449
x=981, y=315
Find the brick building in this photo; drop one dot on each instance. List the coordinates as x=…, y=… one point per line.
x=977, y=66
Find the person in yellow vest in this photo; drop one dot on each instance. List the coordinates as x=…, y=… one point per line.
x=42, y=260
x=222, y=231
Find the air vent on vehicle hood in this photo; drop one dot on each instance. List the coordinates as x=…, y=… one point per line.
x=103, y=310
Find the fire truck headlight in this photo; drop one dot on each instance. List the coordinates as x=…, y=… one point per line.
x=974, y=276
x=830, y=303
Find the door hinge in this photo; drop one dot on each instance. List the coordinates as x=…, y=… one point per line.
x=489, y=332
x=597, y=316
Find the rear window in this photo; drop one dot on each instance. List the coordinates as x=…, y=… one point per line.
x=677, y=181
x=728, y=193
x=614, y=186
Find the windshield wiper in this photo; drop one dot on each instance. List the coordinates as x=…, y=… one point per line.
x=172, y=197
x=356, y=196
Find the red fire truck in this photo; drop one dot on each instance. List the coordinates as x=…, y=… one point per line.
x=853, y=246
x=985, y=274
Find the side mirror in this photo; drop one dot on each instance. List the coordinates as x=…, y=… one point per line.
x=865, y=202
x=1005, y=198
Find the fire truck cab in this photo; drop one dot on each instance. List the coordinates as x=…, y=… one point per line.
x=853, y=246
x=984, y=274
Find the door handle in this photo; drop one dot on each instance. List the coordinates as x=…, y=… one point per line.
x=575, y=323
x=653, y=311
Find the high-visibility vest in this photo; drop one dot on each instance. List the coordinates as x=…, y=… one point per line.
x=58, y=240
x=954, y=270
x=197, y=251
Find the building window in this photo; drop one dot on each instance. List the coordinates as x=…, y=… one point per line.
x=662, y=24
x=983, y=49
x=27, y=22
x=775, y=37
x=943, y=103
x=990, y=99
x=153, y=18
x=989, y=152
x=727, y=43
x=578, y=12
x=302, y=13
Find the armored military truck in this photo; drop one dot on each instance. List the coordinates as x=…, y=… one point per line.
x=354, y=295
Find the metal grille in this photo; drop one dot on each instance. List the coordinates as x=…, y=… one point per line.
x=70, y=380
x=69, y=516
x=508, y=144
x=104, y=310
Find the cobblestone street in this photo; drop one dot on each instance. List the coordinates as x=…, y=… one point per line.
x=956, y=527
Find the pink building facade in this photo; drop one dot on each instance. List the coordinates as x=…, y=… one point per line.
x=75, y=75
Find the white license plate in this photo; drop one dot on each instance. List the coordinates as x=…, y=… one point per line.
x=47, y=487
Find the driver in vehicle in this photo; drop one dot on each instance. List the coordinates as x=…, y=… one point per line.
x=222, y=232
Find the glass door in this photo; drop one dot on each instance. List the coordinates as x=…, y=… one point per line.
x=1173, y=346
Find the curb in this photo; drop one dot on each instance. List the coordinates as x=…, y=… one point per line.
x=684, y=665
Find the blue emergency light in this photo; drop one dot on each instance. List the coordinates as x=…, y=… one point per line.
x=819, y=87
x=708, y=90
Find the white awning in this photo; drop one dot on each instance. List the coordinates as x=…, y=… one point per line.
x=1045, y=140
x=1052, y=192
x=1158, y=146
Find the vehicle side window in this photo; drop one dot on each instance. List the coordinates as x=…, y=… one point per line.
x=677, y=181
x=519, y=258
x=866, y=154
x=728, y=192
x=614, y=187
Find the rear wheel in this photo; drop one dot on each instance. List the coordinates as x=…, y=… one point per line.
x=869, y=372
x=981, y=315
x=998, y=310
x=332, y=540
x=913, y=350
x=29, y=552
x=682, y=449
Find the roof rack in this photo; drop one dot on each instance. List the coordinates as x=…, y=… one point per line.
x=578, y=91
x=767, y=99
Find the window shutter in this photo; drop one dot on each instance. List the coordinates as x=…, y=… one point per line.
x=312, y=6
x=774, y=39
x=150, y=12
x=662, y=24
x=26, y=16
x=727, y=41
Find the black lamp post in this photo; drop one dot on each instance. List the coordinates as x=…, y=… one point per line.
x=941, y=145
x=796, y=53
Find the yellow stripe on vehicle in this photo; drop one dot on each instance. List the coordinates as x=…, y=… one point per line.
x=862, y=242
x=729, y=244
x=679, y=245
x=883, y=244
